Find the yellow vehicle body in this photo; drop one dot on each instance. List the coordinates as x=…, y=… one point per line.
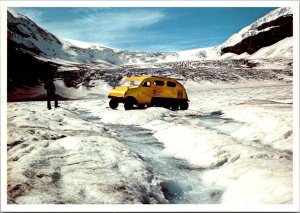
x=147, y=91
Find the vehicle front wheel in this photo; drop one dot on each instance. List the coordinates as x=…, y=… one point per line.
x=113, y=103
x=128, y=105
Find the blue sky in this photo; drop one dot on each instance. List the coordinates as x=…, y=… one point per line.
x=147, y=28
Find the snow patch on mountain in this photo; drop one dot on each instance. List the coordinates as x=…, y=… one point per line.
x=85, y=45
x=281, y=49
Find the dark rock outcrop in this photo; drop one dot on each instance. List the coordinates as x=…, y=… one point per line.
x=25, y=69
x=280, y=28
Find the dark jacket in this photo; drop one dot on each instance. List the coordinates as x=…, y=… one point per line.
x=49, y=86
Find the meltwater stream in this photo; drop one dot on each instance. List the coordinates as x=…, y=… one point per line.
x=180, y=182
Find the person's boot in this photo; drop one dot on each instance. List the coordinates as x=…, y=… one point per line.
x=56, y=102
x=48, y=102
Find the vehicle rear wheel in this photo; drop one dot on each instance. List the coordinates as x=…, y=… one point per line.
x=128, y=105
x=167, y=105
x=113, y=103
x=184, y=105
x=174, y=106
x=141, y=106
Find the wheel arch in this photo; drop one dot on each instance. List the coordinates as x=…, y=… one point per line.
x=131, y=98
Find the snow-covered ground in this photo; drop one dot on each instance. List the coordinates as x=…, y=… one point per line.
x=234, y=145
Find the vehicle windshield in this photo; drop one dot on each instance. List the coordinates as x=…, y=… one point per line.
x=131, y=83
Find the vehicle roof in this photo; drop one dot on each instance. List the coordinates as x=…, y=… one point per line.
x=142, y=77
x=137, y=78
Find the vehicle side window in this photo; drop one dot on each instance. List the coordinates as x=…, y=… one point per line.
x=158, y=83
x=171, y=84
x=146, y=84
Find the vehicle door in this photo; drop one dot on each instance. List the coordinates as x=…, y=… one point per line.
x=145, y=92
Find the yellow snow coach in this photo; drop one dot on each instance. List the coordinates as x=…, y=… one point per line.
x=142, y=91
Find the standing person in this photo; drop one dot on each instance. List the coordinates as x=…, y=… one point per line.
x=50, y=87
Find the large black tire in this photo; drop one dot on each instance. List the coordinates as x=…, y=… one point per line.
x=113, y=103
x=128, y=104
x=184, y=105
x=141, y=106
x=167, y=105
x=174, y=106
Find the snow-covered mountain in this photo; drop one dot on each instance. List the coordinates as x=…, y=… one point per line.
x=44, y=45
x=41, y=53
x=33, y=39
